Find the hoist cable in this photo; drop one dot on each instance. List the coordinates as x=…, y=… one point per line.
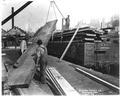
x=54, y=12
x=55, y=5
x=58, y=9
x=48, y=13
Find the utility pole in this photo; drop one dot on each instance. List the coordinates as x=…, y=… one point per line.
x=12, y=17
x=16, y=12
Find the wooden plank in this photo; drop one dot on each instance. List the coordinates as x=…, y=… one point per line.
x=35, y=89
x=45, y=32
x=67, y=88
x=24, y=56
x=22, y=75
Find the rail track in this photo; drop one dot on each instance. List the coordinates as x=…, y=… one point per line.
x=99, y=80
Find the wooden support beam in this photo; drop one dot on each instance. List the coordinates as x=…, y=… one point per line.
x=69, y=43
x=16, y=12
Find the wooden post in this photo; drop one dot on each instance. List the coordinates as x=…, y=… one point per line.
x=62, y=24
x=62, y=30
x=12, y=18
x=69, y=43
x=52, y=35
x=16, y=12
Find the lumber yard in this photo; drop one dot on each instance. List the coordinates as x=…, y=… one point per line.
x=81, y=60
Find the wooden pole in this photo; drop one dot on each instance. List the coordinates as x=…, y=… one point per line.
x=16, y=12
x=12, y=17
x=69, y=43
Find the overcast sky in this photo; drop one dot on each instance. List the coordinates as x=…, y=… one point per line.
x=35, y=14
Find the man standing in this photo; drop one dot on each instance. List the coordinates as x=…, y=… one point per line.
x=67, y=22
x=41, y=61
x=23, y=46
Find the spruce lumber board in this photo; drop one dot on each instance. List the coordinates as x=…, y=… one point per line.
x=22, y=76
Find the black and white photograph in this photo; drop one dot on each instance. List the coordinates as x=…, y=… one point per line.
x=60, y=47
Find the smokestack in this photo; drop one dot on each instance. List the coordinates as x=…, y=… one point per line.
x=13, y=17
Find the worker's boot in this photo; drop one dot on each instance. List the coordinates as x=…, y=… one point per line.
x=43, y=78
x=37, y=75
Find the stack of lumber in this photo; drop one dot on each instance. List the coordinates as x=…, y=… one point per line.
x=63, y=83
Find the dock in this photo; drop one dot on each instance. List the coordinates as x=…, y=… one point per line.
x=79, y=82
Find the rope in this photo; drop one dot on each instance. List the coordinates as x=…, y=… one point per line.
x=48, y=13
x=54, y=12
x=58, y=9
x=55, y=5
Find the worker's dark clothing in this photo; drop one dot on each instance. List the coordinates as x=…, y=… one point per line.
x=41, y=62
x=67, y=23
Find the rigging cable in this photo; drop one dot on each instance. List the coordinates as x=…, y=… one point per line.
x=53, y=4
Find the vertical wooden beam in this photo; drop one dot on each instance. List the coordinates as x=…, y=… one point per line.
x=12, y=17
x=62, y=24
x=69, y=43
